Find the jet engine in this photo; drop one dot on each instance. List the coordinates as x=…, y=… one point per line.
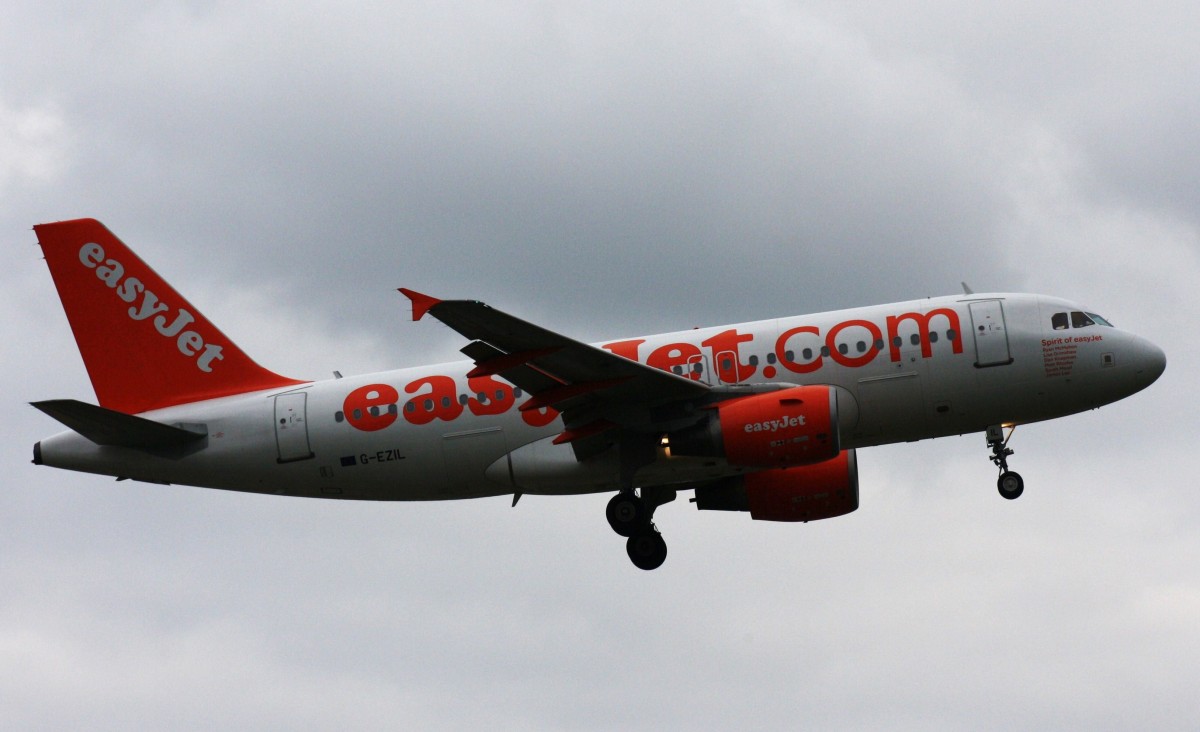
x=777, y=429
x=803, y=493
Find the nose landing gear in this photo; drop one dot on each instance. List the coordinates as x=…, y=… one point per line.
x=1010, y=484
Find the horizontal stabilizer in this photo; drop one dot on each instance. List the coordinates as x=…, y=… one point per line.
x=117, y=429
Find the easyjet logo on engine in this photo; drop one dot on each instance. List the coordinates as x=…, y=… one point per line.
x=775, y=425
x=129, y=289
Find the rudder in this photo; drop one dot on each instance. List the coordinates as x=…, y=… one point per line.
x=144, y=346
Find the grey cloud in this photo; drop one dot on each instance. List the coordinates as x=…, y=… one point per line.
x=607, y=171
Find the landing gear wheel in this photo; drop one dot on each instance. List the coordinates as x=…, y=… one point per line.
x=626, y=513
x=647, y=550
x=1010, y=485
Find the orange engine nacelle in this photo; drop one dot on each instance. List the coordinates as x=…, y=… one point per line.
x=803, y=493
x=778, y=429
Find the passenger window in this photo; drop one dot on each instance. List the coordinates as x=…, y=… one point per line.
x=825, y=351
x=862, y=346
x=1079, y=320
x=754, y=360
x=462, y=399
x=338, y=417
x=952, y=334
x=807, y=354
x=1059, y=321
x=933, y=336
x=842, y=348
x=770, y=358
x=897, y=341
x=393, y=409
x=499, y=395
x=878, y=344
x=915, y=339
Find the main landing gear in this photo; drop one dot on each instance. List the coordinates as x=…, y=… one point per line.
x=631, y=516
x=1010, y=484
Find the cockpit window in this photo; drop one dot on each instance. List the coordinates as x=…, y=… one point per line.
x=1080, y=320
x=1077, y=320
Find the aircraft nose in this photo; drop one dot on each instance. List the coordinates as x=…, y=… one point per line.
x=1152, y=362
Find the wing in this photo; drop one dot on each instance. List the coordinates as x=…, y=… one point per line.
x=598, y=393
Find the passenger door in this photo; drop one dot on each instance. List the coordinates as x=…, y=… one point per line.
x=991, y=335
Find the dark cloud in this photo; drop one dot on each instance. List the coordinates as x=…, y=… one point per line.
x=606, y=171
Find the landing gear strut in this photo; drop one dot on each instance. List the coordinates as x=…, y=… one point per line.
x=1010, y=484
x=631, y=516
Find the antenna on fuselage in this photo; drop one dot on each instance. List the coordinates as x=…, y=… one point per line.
x=967, y=289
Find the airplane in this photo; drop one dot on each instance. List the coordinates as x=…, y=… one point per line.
x=763, y=418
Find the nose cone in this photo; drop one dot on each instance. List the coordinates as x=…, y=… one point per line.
x=1151, y=363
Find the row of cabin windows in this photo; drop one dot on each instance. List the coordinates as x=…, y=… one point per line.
x=1077, y=319
x=697, y=367
x=843, y=348
x=426, y=405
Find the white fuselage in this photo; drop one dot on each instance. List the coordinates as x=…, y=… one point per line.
x=909, y=371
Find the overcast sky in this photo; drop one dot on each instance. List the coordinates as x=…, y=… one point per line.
x=607, y=170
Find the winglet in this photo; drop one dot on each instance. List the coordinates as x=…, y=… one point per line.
x=420, y=303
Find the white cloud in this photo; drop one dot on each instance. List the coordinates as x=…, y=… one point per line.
x=34, y=143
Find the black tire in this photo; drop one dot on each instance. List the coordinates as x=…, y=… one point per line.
x=647, y=550
x=1010, y=485
x=626, y=514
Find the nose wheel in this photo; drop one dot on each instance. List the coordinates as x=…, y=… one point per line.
x=1010, y=484
x=631, y=516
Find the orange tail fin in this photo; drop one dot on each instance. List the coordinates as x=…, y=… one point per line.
x=144, y=345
